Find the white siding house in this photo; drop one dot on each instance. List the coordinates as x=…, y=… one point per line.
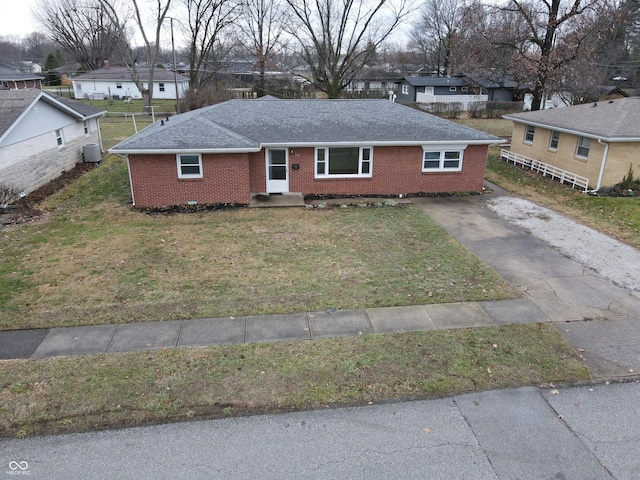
x=117, y=82
x=42, y=136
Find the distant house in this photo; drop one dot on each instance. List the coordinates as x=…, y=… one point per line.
x=437, y=89
x=374, y=82
x=226, y=152
x=598, y=141
x=117, y=82
x=42, y=135
x=16, y=80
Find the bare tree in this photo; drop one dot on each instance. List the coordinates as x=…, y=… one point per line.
x=438, y=30
x=338, y=37
x=548, y=22
x=82, y=28
x=206, y=22
x=151, y=45
x=263, y=23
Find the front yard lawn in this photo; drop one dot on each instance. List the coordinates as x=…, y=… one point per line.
x=95, y=260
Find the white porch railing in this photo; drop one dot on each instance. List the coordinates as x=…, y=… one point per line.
x=555, y=173
x=465, y=100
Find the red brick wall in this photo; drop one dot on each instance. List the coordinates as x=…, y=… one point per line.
x=156, y=183
x=396, y=170
x=231, y=178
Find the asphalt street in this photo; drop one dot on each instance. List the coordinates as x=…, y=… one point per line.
x=581, y=433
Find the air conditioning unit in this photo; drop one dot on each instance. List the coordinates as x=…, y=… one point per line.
x=91, y=153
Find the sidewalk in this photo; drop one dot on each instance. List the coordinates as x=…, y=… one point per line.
x=265, y=328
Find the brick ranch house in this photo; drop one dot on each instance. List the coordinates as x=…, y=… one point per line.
x=226, y=152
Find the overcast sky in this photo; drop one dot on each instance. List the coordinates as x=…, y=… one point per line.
x=15, y=17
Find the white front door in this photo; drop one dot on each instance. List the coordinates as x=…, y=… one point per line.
x=277, y=170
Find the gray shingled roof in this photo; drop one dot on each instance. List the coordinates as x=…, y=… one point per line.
x=436, y=81
x=611, y=120
x=248, y=125
x=124, y=73
x=14, y=102
x=13, y=75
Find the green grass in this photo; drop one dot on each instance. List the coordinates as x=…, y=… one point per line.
x=100, y=391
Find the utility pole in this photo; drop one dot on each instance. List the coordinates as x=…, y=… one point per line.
x=175, y=69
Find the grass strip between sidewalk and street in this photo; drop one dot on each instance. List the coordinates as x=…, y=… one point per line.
x=71, y=394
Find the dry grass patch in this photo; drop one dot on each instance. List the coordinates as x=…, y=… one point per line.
x=99, y=391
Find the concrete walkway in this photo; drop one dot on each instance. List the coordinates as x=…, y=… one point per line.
x=265, y=328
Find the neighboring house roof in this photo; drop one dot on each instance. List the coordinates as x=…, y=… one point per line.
x=11, y=75
x=117, y=74
x=14, y=104
x=610, y=120
x=249, y=125
x=436, y=81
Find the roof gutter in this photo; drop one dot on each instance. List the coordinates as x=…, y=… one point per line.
x=602, y=164
x=171, y=151
x=573, y=132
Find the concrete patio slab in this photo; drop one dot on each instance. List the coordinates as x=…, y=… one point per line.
x=20, y=343
x=76, y=341
x=131, y=337
x=212, y=331
x=459, y=315
x=341, y=323
x=271, y=328
x=516, y=310
x=400, y=319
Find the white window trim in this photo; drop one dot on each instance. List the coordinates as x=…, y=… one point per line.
x=87, y=128
x=453, y=89
x=189, y=175
x=526, y=132
x=349, y=175
x=59, y=138
x=405, y=89
x=584, y=157
x=442, y=149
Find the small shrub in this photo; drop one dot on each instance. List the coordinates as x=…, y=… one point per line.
x=8, y=193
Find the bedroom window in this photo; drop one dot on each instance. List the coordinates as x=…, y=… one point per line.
x=189, y=166
x=344, y=161
x=161, y=87
x=442, y=160
x=553, y=141
x=529, y=133
x=583, y=147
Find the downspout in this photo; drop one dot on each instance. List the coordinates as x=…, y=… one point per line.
x=133, y=199
x=604, y=161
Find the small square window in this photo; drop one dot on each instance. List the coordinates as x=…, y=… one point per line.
x=189, y=166
x=118, y=85
x=162, y=87
x=453, y=89
x=553, y=142
x=464, y=89
x=529, y=134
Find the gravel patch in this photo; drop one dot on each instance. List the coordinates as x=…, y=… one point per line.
x=607, y=256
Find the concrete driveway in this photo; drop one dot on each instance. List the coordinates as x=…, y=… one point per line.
x=598, y=318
